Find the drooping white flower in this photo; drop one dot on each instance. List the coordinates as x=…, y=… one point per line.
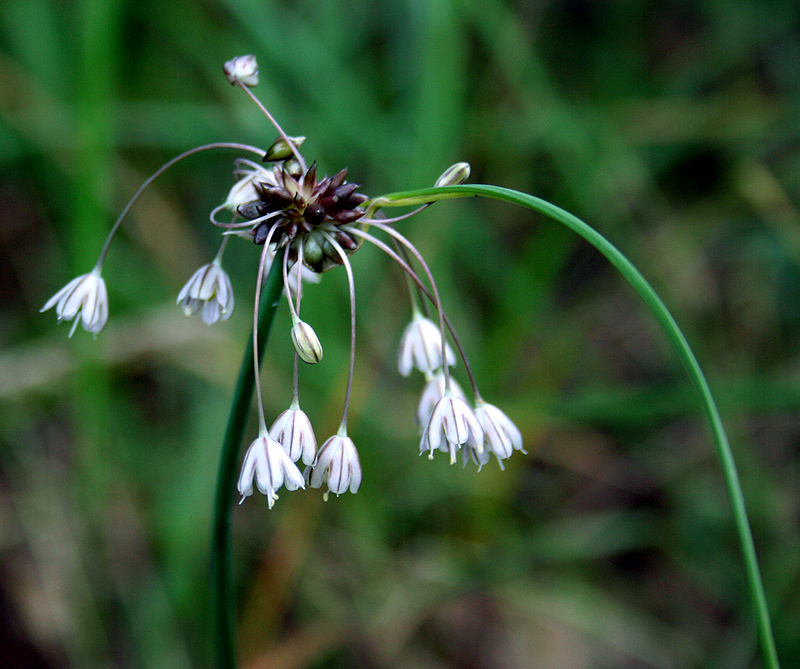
x=421, y=347
x=268, y=463
x=502, y=436
x=209, y=289
x=85, y=299
x=337, y=465
x=453, y=419
x=432, y=393
x=292, y=430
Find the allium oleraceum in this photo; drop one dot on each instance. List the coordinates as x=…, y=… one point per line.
x=208, y=291
x=313, y=224
x=85, y=299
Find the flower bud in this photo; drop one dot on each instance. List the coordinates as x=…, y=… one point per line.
x=243, y=69
x=293, y=167
x=306, y=343
x=280, y=149
x=454, y=175
x=312, y=252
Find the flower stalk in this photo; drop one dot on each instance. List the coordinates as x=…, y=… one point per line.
x=667, y=322
x=223, y=591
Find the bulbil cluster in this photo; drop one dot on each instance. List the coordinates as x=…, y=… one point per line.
x=292, y=204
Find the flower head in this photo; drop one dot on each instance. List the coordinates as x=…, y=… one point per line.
x=292, y=430
x=452, y=418
x=271, y=467
x=338, y=465
x=85, y=299
x=421, y=347
x=299, y=209
x=312, y=225
x=209, y=289
x=502, y=436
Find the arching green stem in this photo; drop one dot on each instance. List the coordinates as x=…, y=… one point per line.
x=673, y=332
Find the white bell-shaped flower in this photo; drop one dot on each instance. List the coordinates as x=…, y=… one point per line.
x=337, y=465
x=432, y=393
x=269, y=465
x=208, y=290
x=501, y=435
x=454, y=420
x=421, y=347
x=85, y=299
x=292, y=430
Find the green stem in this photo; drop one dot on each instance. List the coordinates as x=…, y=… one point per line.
x=673, y=332
x=223, y=595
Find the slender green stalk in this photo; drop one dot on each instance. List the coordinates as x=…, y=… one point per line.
x=223, y=595
x=673, y=332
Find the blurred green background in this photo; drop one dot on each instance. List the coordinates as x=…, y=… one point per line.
x=673, y=127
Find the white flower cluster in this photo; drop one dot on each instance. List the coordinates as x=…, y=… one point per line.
x=313, y=224
x=448, y=423
x=271, y=458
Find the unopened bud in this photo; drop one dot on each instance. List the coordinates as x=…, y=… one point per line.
x=454, y=175
x=312, y=251
x=293, y=167
x=243, y=69
x=281, y=150
x=306, y=343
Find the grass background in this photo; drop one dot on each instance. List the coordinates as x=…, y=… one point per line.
x=672, y=127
